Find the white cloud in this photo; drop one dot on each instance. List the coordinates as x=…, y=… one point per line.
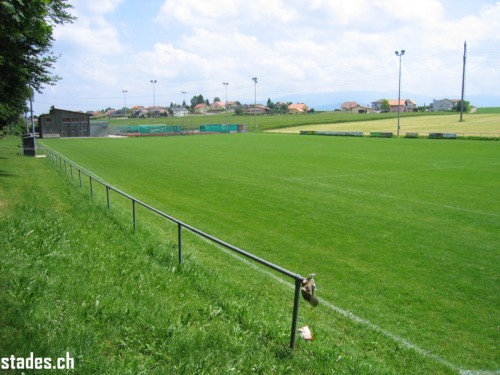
x=191, y=12
x=90, y=37
x=168, y=62
x=291, y=46
x=91, y=33
x=95, y=6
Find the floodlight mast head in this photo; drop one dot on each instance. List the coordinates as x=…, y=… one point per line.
x=400, y=53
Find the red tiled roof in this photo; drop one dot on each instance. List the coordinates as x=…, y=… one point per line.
x=349, y=105
x=395, y=102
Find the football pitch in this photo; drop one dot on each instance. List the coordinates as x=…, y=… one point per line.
x=402, y=234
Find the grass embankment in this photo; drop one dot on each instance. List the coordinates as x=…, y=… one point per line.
x=74, y=278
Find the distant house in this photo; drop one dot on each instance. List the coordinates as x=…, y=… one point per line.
x=377, y=104
x=232, y=106
x=411, y=105
x=348, y=106
x=354, y=107
x=110, y=113
x=180, y=111
x=258, y=109
x=155, y=111
x=395, y=103
x=444, y=104
x=201, y=108
x=97, y=114
x=404, y=105
x=63, y=123
x=139, y=112
x=361, y=109
x=297, y=108
x=217, y=106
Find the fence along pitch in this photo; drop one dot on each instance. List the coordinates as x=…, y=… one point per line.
x=299, y=280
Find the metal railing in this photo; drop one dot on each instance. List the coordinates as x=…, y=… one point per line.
x=63, y=163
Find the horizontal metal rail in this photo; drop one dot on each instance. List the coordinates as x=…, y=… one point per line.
x=58, y=160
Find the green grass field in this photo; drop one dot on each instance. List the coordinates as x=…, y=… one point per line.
x=75, y=279
x=485, y=124
x=485, y=120
x=488, y=110
x=402, y=234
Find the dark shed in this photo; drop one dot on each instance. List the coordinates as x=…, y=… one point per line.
x=63, y=123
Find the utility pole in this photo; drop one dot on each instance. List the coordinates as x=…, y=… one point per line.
x=463, y=84
x=399, y=54
x=225, y=105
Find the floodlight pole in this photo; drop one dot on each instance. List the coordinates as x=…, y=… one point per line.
x=225, y=104
x=124, y=101
x=399, y=54
x=463, y=84
x=184, y=106
x=153, y=81
x=255, y=102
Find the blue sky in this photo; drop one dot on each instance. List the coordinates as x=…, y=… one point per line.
x=294, y=47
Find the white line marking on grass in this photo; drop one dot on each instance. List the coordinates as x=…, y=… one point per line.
x=435, y=167
x=427, y=203
x=359, y=320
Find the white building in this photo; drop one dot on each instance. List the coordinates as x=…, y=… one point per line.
x=444, y=104
x=180, y=111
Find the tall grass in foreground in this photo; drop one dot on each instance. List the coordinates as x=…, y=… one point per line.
x=74, y=278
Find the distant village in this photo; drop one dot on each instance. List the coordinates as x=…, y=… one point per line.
x=63, y=123
x=203, y=107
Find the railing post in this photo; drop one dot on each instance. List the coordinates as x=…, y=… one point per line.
x=133, y=214
x=91, y=190
x=71, y=171
x=298, y=284
x=80, y=177
x=65, y=173
x=107, y=195
x=179, y=231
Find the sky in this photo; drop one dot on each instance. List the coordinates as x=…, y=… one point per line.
x=298, y=49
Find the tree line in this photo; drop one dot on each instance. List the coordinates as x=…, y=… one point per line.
x=26, y=59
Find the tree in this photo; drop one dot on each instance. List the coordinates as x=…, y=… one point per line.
x=197, y=99
x=281, y=109
x=385, y=107
x=26, y=60
x=457, y=107
x=270, y=104
x=216, y=99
